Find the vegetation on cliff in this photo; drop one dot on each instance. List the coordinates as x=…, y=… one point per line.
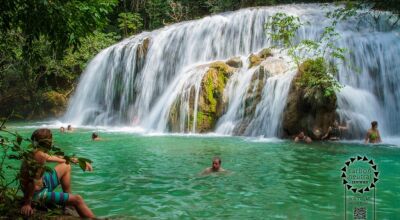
x=311, y=103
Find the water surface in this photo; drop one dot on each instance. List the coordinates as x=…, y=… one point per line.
x=157, y=176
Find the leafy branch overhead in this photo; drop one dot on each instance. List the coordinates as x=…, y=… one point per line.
x=130, y=23
x=321, y=54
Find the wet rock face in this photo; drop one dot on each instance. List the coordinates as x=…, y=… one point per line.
x=270, y=67
x=256, y=59
x=303, y=113
x=211, y=104
x=54, y=103
x=141, y=53
x=234, y=62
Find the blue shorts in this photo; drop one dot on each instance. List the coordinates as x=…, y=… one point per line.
x=46, y=194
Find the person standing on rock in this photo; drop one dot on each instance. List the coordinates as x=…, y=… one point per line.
x=334, y=132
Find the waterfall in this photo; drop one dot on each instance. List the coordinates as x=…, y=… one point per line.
x=138, y=81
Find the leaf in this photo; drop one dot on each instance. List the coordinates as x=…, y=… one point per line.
x=84, y=159
x=19, y=139
x=82, y=165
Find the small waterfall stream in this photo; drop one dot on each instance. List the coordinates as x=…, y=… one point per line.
x=137, y=81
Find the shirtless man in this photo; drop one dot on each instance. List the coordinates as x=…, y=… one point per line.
x=38, y=184
x=216, y=167
x=302, y=137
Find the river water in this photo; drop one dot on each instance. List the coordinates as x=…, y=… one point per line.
x=156, y=176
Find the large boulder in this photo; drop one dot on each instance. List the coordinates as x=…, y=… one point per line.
x=211, y=104
x=309, y=107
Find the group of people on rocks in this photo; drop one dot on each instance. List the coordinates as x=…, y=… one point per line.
x=334, y=134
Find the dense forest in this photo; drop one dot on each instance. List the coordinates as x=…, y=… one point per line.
x=45, y=44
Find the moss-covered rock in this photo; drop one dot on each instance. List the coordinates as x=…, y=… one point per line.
x=211, y=104
x=54, y=103
x=308, y=107
x=256, y=59
x=265, y=53
x=235, y=62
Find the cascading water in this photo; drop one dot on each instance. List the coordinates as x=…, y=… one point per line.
x=137, y=81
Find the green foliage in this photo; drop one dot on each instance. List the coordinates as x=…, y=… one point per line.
x=317, y=74
x=90, y=46
x=157, y=11
x=316, y=80
x=283, y=28
x=62, y=23
x=130, y=23
x=217, y=6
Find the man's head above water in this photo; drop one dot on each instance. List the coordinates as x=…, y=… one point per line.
x=216, y=163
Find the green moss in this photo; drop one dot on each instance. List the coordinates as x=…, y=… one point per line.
x=318, y=84
x=209, y=87
x=254, y=60
x=220, y=67
x=264, y=53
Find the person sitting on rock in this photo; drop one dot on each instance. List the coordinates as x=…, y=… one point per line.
x=38, y=184
x=373, y=135
x=302, y=137
x=95, y=137
x=216, y=167
x=334, y=132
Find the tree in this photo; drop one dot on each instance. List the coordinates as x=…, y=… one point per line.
x=62, y=23
x=35, y=36
x=309, y=55
x=130, y=23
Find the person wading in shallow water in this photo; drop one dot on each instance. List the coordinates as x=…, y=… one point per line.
x=334, y=132
x=38, y=184
x=216, y=167
x=373, y=135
